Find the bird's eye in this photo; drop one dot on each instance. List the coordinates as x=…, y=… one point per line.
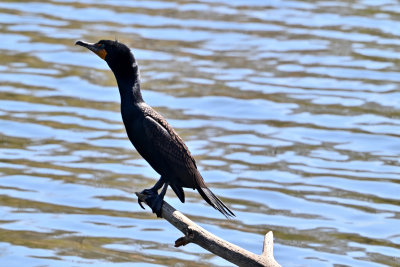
x=100, y=46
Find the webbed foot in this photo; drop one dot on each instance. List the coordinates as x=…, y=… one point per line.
x=154, y=200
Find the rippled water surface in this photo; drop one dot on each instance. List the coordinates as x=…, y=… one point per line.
x=291, y=109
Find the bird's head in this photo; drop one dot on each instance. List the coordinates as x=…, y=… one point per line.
x=117, y=55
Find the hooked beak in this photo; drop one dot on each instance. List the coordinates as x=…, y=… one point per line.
x=95, y=48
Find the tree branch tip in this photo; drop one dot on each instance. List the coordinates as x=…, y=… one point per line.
x=268, y=244
x=269, y=236
x=182, y=241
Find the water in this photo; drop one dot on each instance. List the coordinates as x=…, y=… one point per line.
x=289, y=107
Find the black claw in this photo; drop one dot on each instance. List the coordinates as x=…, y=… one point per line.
x=140, y=204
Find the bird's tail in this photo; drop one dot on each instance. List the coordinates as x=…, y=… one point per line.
x=213, y=200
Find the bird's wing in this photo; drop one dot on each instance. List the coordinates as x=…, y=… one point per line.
x=165, y=141
x=172, y=151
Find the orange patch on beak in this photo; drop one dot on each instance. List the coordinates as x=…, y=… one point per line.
x=101, y=53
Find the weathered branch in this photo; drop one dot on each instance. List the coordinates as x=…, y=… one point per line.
x=198, y=235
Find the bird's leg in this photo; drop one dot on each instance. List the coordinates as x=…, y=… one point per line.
x=155, y=187
x=152, y=193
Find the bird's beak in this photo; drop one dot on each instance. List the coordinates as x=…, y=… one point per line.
x=95, y=48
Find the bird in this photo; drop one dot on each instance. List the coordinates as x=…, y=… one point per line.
x=151, y=135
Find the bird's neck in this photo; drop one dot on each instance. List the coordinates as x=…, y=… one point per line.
x=129, y=85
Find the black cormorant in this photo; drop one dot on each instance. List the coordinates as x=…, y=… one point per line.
x=152, y=136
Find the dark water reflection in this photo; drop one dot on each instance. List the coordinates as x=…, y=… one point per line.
x=290, y=108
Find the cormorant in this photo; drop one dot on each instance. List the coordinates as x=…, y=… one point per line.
x=151, y=135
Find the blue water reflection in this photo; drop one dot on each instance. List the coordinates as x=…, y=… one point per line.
x=289, y=107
